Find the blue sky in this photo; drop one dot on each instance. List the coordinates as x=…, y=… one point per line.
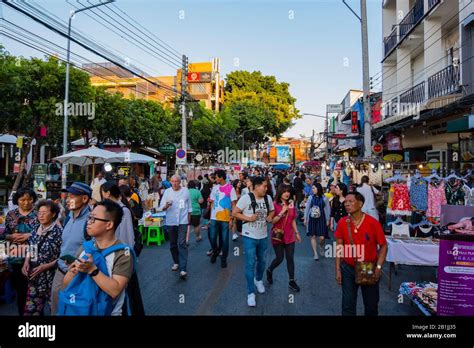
x=302, y=42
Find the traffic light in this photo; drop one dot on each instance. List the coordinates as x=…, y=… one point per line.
x=354, y=122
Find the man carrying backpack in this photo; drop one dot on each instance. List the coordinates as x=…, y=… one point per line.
x=255, y=209
x=74, y=232
x=98, y=278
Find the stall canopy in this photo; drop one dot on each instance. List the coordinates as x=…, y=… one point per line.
x=132, y=157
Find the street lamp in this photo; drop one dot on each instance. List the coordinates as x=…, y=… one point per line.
x=66, y=92
x=243, y=135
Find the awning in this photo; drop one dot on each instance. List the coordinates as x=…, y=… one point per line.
x=469, y=20
x=461, y=125
x=7, y=139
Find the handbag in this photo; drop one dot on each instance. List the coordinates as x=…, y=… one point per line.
x=278, y=233
x=364, y=270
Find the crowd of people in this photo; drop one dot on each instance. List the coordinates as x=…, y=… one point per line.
x=94, y=239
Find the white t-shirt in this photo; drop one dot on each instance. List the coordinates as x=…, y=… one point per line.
x=366, y=191
x=245, y=191
x=177, y=213
x=258, y=228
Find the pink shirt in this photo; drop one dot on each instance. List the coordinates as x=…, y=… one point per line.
x=289, y=234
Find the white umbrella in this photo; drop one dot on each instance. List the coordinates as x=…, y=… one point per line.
x=133, y=157
x=85, y=157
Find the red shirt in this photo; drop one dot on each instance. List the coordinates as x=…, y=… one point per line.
x=369, y=235
x=289, y=234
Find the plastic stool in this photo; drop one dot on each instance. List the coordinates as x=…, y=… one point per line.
x=159, y=236
x=142, y=230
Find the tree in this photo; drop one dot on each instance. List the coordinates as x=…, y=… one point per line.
x=255, y=100
x=30, y=92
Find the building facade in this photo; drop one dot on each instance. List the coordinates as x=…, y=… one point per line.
x=427, y=82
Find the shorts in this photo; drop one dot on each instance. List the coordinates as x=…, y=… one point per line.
x=195, y=220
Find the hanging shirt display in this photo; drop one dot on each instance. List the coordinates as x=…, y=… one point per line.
x=400, y=200
x=400, y=230
x=436, y=198
x=346, y=177
x=419, y=193
x=468, y=195
x=454, y=193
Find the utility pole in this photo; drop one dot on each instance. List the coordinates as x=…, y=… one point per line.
x=365, y=72
x=365, y=77
x=184, y=76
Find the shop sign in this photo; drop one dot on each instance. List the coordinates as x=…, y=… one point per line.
x=167, y=149
x=393, y=157
x=394, y=143
x=377, y=148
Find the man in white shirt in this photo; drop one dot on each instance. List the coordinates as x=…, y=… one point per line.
x=255, y=214
x=177, y=204
x=368, y=192
x=95, y=186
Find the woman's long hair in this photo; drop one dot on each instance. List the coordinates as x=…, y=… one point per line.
x=114, y=190
x=282, y=188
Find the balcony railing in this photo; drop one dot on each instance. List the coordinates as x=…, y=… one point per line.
x=444, y=82
x=432, y=3
x=412, y=18
x=414, y=95
x=390, y=41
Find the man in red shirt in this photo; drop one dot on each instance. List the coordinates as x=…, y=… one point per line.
x=367, y=234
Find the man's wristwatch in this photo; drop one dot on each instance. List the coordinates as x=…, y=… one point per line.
x=379, y=266
x=94, y=272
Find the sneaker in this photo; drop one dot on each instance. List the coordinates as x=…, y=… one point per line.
x=183, y=275
x=220, y=254
x=316, y=257
x=209, y=252
x=293, y=286
x=223, y=264
x=235, y=236
x=259, y=285
x=269, y=276
x=175, y=267
x=251, y=300
x=213, y=257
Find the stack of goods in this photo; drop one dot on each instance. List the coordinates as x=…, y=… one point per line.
x=423, y=294
x=153, y=221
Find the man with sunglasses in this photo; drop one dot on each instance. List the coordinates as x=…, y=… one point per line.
x=74, y=233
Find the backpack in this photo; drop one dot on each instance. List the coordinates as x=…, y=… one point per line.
x=253, y=203
x=82, y=296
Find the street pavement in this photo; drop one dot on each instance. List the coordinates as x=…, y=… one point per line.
x=211, y=290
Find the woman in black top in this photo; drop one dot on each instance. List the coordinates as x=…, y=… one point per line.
x=338, y=210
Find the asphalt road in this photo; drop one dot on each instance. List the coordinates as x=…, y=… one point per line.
x=211, y=290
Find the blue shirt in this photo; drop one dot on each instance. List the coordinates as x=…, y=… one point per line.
x=307, y=190
x=73, y=235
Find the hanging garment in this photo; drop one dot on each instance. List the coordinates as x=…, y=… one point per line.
x=419, y=193
x=390, y=200
x=346, y=178
x=401, y=200
x=454, y=193
x=436, y=198
x=424, y=231
x=401, y=230
x=468, y=195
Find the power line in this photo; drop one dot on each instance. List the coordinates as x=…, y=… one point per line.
x=101, y=54
x=168, y=61
x=408, y=56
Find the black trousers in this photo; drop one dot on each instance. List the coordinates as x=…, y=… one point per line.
x=134, y=298
x=20, y=284
x=280, y=251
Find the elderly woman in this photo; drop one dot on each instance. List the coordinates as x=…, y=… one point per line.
x=39, y=266
x=19, y=224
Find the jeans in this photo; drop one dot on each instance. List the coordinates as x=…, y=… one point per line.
x=280, y=251
x=221, y=229
x=370, y=294
x=254, y=248
x=178, y=247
